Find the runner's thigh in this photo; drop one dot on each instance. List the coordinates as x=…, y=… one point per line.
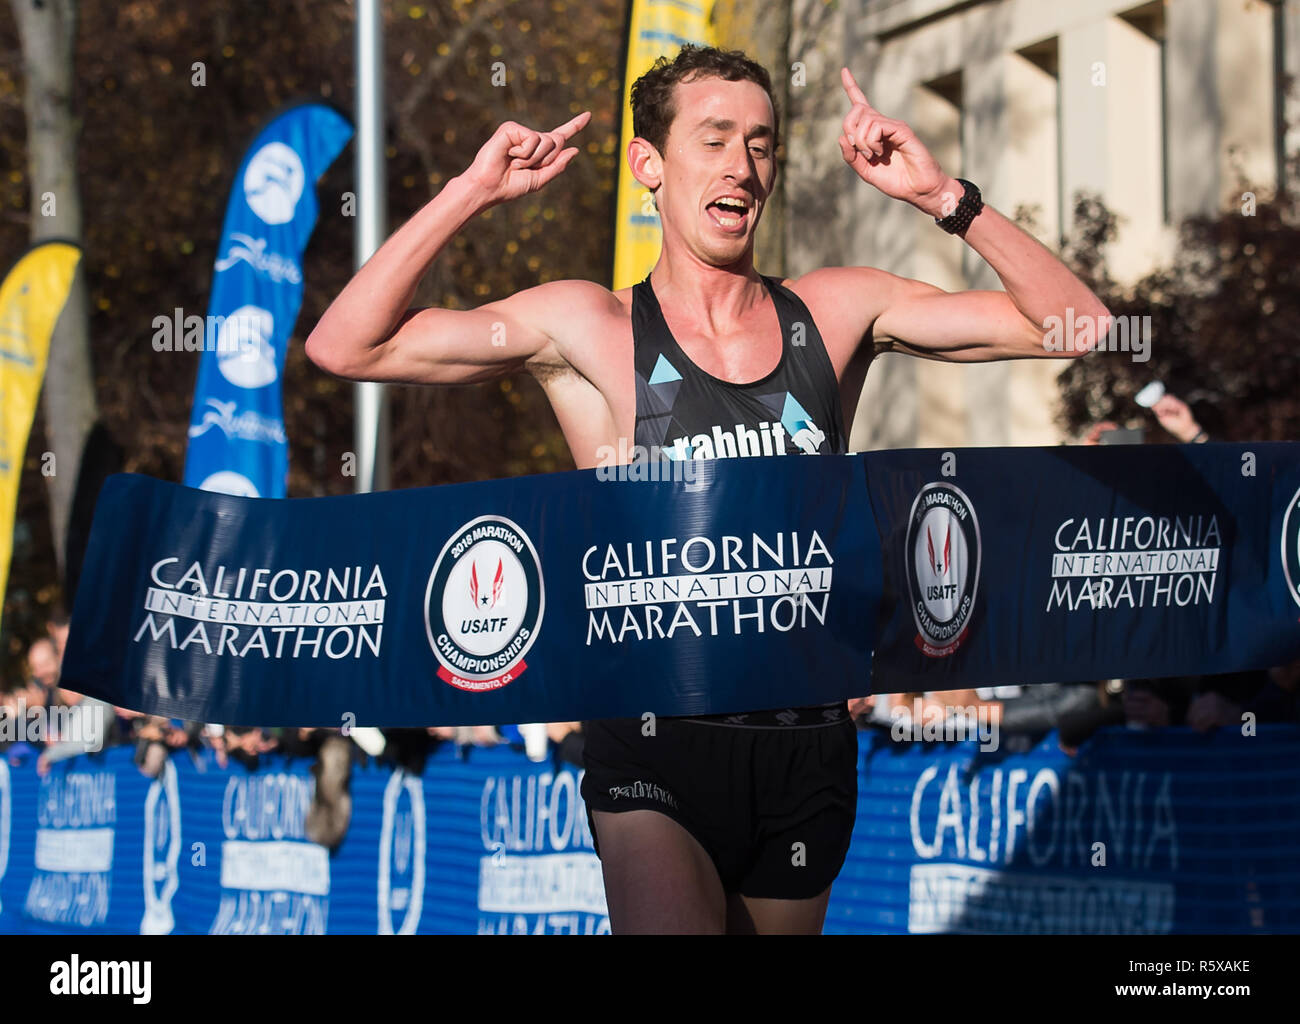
x=658, y=878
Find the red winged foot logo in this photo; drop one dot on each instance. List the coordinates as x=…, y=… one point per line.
x=484, y=603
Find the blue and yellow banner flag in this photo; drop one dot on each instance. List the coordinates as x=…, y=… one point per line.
x=656, y=28
x=31, y=298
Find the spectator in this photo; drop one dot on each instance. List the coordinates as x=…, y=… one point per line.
x=1026, y=714
x=1225, y=700
x=478, y=735
x=84, y=729
x=1020, y=716
x=331, y=806
x=57, y=628
x=156, y=738
x=1213, y=701
x=466, y=736
x=1176, y=417
x=333, y=754
x=1155, y=703
x=879, y=709
x=15, y=704
x=566, y=741
x=408, y=749
x=861, y=709
x=43, y=665
x=245, y=744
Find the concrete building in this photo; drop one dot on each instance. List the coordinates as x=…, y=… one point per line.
x=1163, y=108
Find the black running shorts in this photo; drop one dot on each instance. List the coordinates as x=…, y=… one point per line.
x=772, y=806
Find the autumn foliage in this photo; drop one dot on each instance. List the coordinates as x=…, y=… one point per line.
x=1225, y=325
x=158, y=154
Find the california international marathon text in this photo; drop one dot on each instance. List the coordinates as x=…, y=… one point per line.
x=339, y=613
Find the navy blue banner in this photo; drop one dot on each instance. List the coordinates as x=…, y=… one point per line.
x=548, y=598
x=237, y=440
x=1035, y=565
x=756, y=585
x=1142, y=833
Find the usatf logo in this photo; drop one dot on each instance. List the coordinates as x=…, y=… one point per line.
x=484, y=604
x=943, y=567
x=1291, y=547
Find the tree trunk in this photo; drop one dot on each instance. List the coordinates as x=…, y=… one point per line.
x=47, y=31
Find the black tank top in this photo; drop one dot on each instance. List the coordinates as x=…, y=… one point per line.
x=686, y=413
x=690, y=414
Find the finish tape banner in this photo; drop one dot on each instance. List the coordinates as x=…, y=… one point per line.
x=748, y=584
x=1031, y=565
x=548, y=598
x=1169, y=832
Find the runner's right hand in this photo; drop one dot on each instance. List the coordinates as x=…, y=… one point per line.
x=518, y=160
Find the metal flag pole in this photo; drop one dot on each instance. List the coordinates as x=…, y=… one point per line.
x=370, y=429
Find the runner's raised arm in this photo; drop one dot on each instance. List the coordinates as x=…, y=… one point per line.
x=370, y=332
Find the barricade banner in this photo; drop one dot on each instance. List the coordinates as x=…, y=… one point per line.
x=1141, y=833
x=1169, y=831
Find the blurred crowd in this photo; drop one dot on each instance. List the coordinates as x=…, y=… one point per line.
x=58, y=723
x=1022, y=716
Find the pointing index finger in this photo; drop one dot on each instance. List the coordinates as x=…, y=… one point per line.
x=851, y=87
x=571, y=128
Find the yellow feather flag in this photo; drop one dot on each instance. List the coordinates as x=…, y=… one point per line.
x=656, y=28
x=31, y=299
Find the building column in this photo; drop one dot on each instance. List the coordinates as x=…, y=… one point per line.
x=1192, y=119
x=1290, y=32
x=1110, y=98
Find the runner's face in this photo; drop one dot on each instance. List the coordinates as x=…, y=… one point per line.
x=720, y=145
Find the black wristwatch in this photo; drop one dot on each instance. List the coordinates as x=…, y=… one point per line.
x=968, y=208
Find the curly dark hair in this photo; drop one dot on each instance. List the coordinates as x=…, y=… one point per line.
x=653, y=109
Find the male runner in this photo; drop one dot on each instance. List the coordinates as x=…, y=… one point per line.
x=735, y=823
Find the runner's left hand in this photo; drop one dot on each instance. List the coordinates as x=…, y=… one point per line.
x=887, y=154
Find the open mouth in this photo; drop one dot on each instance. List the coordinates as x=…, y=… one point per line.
x=729, y=214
